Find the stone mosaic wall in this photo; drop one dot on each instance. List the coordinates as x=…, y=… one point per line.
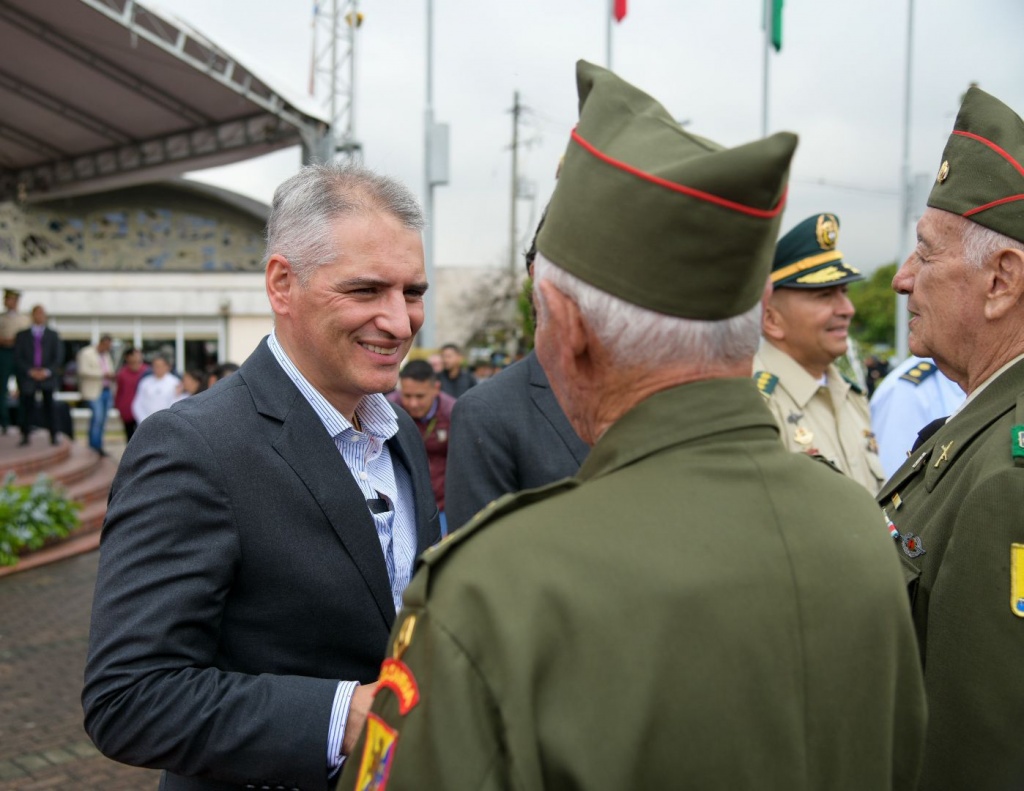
x=142, y=229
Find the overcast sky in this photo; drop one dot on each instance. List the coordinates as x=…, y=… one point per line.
x=838, y=83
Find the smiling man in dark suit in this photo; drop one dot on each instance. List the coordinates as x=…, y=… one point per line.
x=260, y=534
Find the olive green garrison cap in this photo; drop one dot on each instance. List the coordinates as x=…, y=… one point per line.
x=660, y=217
x=981, y=176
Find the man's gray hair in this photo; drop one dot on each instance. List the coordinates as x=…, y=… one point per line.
x=306, y=206
x=980, y=243
x=637, y=336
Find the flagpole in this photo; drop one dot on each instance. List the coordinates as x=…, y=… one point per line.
x=609, y=13
x=902, y=330
x=768, y=22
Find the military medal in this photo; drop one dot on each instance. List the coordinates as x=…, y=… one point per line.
x=912, y=546
x=872, y=442
x=803, y=435
x=893, y=532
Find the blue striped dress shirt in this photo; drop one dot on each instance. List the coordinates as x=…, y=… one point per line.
x=369, y=460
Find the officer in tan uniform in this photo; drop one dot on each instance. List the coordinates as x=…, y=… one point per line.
x=805, y=328
x=11, y=323
x=956, y=506
x=679, y=614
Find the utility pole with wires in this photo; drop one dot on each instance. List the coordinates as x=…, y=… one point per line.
x=513, y=236
x=335, y=26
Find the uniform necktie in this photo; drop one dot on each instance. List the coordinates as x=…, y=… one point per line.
x=37, y=359
x=927, y=431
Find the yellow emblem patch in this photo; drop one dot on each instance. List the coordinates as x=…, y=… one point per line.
x=1017, y=579
x=396, y=676
x=378, y=753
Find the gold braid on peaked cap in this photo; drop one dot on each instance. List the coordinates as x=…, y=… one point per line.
x=659, y=217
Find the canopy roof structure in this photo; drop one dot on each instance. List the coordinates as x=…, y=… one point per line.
x=98, y=94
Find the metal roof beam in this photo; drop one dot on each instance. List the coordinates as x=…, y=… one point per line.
x=106, y=68
x=210, y=61
x=61, y=108
x=45, y=179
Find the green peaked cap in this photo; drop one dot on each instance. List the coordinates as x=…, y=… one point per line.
x=807, y=256
x=982, y=176
x=661, y=218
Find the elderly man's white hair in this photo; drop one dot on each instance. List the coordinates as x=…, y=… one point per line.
x=980, y=243
x=637, y=336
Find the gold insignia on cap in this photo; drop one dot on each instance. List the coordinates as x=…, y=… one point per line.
x=827, y=275
x=943, y=171
x=827, y=231
x=404, y=638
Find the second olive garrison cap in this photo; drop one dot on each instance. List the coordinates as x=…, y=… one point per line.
x=982, y=176
x=661, y=218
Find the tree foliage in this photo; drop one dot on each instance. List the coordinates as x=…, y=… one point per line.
x=875, y=322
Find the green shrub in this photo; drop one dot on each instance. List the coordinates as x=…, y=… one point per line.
x=31, y=515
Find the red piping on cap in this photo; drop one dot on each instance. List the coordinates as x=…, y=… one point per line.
x=1005, y=155
x=999, y=202
x=693, y=193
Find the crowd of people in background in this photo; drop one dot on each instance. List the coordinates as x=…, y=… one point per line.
x=34, y=355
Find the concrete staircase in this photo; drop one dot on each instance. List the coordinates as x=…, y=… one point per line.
x=84, y=475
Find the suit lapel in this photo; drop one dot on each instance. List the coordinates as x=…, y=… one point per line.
x=400, y=454
x=304, y=445
x=544, y=398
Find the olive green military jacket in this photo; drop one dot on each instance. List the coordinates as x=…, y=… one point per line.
x=958, y=506
x=698, y=608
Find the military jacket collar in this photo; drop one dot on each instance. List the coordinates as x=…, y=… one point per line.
x=940, y=451
x=794, y=377
x=679, y=415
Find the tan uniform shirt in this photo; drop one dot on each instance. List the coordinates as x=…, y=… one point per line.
x=833, y=420
x=11, y=323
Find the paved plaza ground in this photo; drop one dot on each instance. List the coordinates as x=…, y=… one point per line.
x=44, y=628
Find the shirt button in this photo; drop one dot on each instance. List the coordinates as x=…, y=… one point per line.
x=363, y=476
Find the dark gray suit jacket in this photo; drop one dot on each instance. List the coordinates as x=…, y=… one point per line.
x=240, y=578
x=24, y=359
x=508, y=434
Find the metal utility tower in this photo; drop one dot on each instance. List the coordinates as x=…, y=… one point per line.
x=335, y=30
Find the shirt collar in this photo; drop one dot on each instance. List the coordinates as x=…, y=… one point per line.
x=375, y=413
x=793, y=376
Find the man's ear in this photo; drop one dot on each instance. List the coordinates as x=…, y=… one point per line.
x=281, y=281
x=564, y=315
x=772, y=320
x=1005, y=290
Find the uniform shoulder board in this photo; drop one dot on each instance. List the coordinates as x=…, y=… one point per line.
x=853, y=385
x=766, y=382
x=919, y=373
x=503, y=505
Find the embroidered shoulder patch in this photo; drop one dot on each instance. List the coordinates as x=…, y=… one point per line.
x=1017, y=579
x=766, y=382
x=396, y=676
x=378, y=753
x=919, y=373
